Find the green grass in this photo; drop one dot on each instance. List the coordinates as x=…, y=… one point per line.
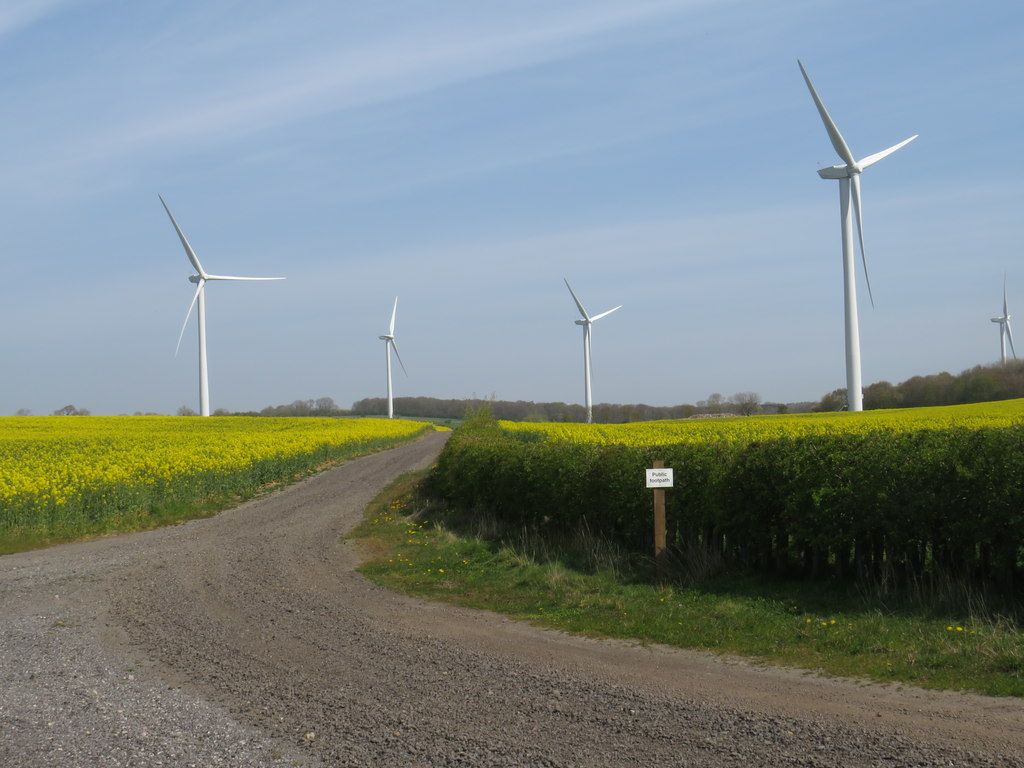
x=22, y=540
x=812, y=626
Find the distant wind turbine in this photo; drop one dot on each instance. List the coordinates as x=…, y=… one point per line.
x=848, y=175
x=389, y=344
x=201, y=278
x=587, y=322
x=1004, y=329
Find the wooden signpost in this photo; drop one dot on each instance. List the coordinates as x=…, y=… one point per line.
x=659, y=478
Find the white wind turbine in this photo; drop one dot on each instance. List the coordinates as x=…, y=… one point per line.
x=389, y=344
x=848, y=175
x=1004, y=329
x=201, y=278
x=587, y=322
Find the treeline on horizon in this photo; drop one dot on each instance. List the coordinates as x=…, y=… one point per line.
x=742, y=403
x=980, y=384
x=983, y=383
x=518, y=410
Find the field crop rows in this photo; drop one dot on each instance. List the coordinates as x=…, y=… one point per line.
x=64, y=477
x=897, y=494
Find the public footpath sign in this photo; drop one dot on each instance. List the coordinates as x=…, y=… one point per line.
x=659, y=478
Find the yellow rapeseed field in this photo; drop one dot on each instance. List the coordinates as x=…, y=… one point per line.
x=66, y=474
x=741, y=429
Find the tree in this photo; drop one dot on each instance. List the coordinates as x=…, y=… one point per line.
x=186, y=411
x=882, y=394
x=70, y=410
x=833, y=401
x=982, y=383
x=713, y=404
x=23, y=412
x=220, y=412
x=326, y=405
x=746, y=403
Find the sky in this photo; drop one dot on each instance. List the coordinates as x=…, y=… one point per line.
x=468, y=156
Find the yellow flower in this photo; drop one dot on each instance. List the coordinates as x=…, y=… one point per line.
x=745, y=429
x=77, y=465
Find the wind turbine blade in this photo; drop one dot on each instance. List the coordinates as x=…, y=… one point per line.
x=838, y=142
x=395, y=347
x=1009, y=335
x=188, y=314
x=579, y=304
x=1004, y=295
x=872, y=159
x=235, y=277
x=855, y=180
x=595, y=318
x=391, y=327
x=184, y=241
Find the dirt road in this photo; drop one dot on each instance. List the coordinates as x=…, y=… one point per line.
x=247, y=639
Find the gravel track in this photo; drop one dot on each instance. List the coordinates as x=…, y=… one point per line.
x=247, y=639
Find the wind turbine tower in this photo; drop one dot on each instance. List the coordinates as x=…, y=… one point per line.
x=587, y=322
x=1004, y=329
x=389, y=344
x=848, y=175
x=200, y=279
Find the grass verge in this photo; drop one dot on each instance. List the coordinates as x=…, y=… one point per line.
x=408, y=547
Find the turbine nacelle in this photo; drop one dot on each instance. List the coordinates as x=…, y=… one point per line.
x=838, y=172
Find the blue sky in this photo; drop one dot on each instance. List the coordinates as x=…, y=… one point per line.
x=466, y=156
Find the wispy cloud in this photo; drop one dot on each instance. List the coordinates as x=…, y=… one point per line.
x=18, y=14
x=394, y=66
